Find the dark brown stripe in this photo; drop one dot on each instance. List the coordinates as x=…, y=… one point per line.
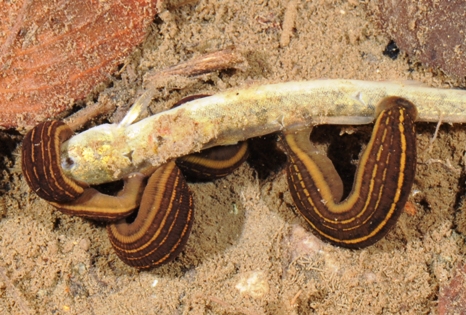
x=381, y=187
x=162, y=224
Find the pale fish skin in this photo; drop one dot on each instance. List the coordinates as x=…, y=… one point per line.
x=112, y=151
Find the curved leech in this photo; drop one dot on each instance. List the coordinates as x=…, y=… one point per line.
x=44, y=175
x=95, y=205
x=164, y=219
x=381, y=186
x=162, y=225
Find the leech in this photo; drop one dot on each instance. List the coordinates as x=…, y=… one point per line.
x=101, y=154
x=162, y=224
x=98, y=206
x=42, y=171
x=60, y=172
x=164, y=218
x=381, y=186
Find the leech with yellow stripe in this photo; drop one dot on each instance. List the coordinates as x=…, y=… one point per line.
x=40, y=162
x=149, y=223
x=381, y=186
x=162, y=224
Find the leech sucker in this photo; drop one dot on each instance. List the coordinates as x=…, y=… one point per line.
x=162, y=224
x=41, y=166
x=381, y=187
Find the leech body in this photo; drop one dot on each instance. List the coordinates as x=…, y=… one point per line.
x=381, y=186
x=164, y=206
x=110, y=152
x=162, y=225
x=97, y=206
x=40, y=162
x=60, y=172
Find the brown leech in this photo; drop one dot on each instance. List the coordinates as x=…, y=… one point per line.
x=43, y=173
x=214, y=163
x=381, y=186
x=162, y=224
x=163, y=221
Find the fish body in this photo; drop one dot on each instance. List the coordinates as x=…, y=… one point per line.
x=110, y=152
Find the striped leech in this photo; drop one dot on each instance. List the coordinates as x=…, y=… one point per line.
x=101, y=154
x=41, y=168
x=149, y=224
x=381, y=186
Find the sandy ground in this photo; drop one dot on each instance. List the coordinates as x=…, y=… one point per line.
x=249, y=251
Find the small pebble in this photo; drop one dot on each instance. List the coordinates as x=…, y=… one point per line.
x=84, y=244
x=254, y=284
